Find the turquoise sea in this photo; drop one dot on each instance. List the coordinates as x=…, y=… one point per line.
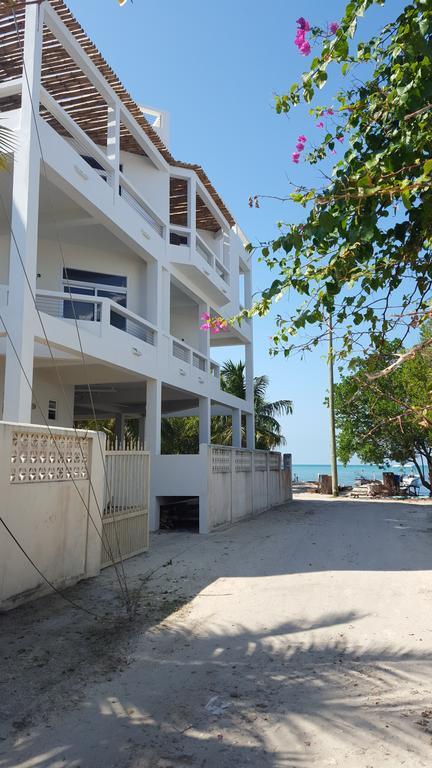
x=347, y=474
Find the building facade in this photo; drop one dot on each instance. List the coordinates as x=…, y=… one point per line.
x=110, y=252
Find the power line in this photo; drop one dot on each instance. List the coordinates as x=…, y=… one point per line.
x=58, y=591
x=35, y=120
x=109, y=552
x=53, y=437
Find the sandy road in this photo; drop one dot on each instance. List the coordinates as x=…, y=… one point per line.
x=301, y=638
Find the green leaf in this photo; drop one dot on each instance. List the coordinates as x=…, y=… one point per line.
x=427, y=168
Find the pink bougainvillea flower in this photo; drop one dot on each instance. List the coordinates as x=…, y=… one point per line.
x=205, y=316
x=320, y=124
x=341, y=139
x=303, y=24
x=300, y=147
x=330, y=112
x=214, y=324
x=334, y=26
x=299, y=39
x=305, y=49
x=302, y=139
x=333, y=151
x=295, y=157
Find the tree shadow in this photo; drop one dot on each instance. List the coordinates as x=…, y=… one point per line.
x=280, y=692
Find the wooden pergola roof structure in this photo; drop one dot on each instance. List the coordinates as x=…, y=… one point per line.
x=70, y=87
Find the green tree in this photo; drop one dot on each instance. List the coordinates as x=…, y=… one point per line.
x=362, y=251
x=268, y=433
x=388, y=418
x=181, y=435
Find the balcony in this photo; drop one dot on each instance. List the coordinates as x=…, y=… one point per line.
x=74, y=157
x=200, y=263
x=99, y=317
x=193, y=363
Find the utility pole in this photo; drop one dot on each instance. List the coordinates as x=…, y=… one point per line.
x=334, y=472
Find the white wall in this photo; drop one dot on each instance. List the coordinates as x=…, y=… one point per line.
x=91, y=258
x=185, y=324
x=46, y=386
x=151, y=183
x=48, y=518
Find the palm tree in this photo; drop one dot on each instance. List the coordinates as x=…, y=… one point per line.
x=267, y=428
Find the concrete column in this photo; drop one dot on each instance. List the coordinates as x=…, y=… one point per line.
x=113, y=145
x=164, y=299
x=153, y=299
x=24, y=224
x=192, y=211
x=250, y=431
x=153, y=416
x=249, y=373
x=119, y=431
x=236, y=428
x=204, y=345
x=248, y=289
x=204, y=420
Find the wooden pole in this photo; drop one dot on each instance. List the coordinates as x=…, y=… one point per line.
x=334, y=472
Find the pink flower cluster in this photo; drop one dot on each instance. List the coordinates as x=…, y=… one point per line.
x=323, y=113
x=301, y=141
x=213, y=324
x=303, y=27
x=300, y=41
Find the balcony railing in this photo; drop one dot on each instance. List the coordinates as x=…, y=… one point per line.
x=188, y=355
x=97, y=311
x=136, y=201
x=96, y=160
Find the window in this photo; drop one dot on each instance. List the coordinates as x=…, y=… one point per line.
x=52, y=410
x=99, y=284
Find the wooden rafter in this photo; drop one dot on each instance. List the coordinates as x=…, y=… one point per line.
x=71, y=88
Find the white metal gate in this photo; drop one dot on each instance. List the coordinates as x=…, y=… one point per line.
x=126, y=505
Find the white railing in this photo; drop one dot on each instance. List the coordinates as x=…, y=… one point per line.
x=68, y=306
x=64, y=305
x=97, y=161
x=215, y=370
x=205, y=251
x=79, y=140
x=136, y=201
x=134, y=324
x=198, y=361
x=181, y=352
x=127, y=482
x=189, y=355
x=125, y=530
x=222, y=271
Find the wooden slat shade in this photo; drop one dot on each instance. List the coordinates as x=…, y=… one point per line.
x=70, y=87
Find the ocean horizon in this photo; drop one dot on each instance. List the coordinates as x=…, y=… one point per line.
x=347, y=474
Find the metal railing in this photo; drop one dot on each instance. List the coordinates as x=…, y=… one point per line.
x=204, y=251
x=135, y=200
x=215, y=370
x=181, y=352
x=198, y=361
x=90, y=309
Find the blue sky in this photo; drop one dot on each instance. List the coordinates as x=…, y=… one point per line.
x=215, y=68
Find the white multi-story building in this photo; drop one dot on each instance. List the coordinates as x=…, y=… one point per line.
x=111, y=250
